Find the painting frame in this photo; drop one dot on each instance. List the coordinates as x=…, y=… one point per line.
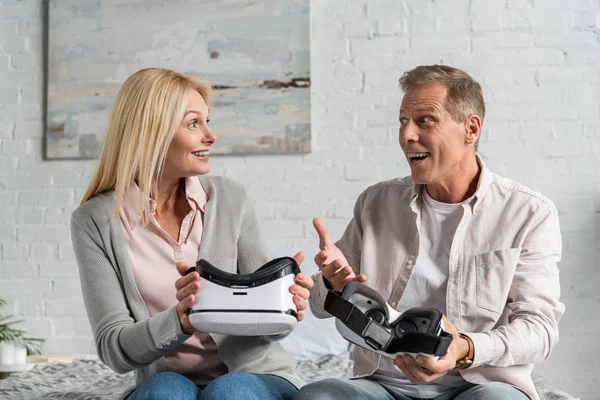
x=260, y=71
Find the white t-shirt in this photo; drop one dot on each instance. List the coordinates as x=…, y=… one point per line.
x=427, y=288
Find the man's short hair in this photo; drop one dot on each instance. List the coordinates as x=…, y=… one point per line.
x=464, y=95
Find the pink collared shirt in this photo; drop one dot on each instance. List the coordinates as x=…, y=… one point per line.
x=154, y=254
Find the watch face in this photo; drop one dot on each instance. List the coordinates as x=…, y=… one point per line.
x=464, y=363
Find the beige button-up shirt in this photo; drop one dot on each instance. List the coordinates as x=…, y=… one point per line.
x=503, y=285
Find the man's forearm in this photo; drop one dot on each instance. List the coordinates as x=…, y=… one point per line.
x=520, y=342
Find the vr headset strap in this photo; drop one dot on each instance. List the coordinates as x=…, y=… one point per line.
x=373, y=334
x=421, y=343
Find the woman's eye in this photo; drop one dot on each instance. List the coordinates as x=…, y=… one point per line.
x=193, y=124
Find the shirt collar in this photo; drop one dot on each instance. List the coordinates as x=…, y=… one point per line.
x=132, y=203
x=484, y=184
x=195, y=193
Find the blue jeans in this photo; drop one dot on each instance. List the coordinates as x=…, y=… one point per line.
x=365, y=389
x=239, y=385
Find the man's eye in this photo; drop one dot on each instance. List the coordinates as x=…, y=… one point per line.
x=403, y=121
x=426, y=119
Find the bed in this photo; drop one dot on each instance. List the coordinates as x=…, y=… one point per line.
x=89, y=379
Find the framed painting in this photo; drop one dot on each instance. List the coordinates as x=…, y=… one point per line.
x=254, y=52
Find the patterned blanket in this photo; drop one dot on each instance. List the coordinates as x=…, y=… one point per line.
x=92, y=380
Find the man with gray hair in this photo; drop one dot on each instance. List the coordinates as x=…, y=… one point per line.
x=456, y=237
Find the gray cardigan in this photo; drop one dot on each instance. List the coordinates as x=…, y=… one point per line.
x=126, y=337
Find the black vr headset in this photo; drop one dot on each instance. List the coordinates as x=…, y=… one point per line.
x=364, y=318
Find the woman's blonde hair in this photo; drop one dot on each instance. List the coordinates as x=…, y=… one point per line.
x=146, y=115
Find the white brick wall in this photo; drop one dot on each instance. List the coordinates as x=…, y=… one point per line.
x=538, y=61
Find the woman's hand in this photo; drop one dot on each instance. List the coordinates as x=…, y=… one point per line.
x=301, y=289
x=187, y=286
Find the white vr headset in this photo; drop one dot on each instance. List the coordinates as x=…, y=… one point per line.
x=364, y=318
x=253, y=304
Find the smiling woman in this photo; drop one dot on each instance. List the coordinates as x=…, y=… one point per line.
x=190, y=147
x=150, y=212
x=146, y=117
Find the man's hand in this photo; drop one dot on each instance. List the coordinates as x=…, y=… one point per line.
x=423, y=369
x=332, y=263
x=301, y=289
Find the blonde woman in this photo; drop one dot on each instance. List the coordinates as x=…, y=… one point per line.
x=150, y=212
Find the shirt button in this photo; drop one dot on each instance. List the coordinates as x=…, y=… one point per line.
x=393, y=304
x=175, y=337
x=168, y=342
x=160, y=346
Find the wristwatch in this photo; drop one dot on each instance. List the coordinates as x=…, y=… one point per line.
x=466, y=361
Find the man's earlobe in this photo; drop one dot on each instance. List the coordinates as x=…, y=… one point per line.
x=473, y=128
x=471, y=137
x=474, y=137
x=470, y=134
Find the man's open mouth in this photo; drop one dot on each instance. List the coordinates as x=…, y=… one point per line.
x=416, y=157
